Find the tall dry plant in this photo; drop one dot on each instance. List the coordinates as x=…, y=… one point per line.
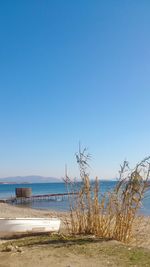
x=129, y=193
x=109, y=215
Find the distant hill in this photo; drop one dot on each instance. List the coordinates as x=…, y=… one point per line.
x=30, y=179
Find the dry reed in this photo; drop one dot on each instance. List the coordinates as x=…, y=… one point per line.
x=112, y=214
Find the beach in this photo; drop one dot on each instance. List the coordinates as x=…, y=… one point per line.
x=58, y=253
x=10, y=211
x=141, y=229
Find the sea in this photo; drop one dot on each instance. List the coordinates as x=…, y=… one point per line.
x=8, y=191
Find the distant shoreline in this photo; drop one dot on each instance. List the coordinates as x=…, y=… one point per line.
x=52, y=182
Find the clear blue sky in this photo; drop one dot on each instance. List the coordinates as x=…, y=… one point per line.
x=69, y=71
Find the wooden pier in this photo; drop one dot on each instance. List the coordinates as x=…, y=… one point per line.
x=33, y=198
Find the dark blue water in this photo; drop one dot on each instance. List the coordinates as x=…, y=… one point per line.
x=8, y=191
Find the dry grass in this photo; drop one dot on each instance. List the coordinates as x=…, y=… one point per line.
x=60, y=251
x=110, y=215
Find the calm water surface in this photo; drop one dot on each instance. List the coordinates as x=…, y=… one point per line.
x=8, y=190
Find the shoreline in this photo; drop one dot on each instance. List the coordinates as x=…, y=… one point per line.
x=12, y=211
x=141, y=228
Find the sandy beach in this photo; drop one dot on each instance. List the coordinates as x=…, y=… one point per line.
x=57, y=253
x=9, y=211
x=141, y=230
